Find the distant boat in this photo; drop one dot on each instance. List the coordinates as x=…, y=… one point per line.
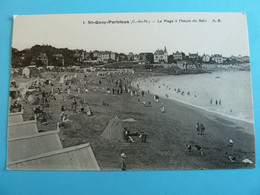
x=217, y=77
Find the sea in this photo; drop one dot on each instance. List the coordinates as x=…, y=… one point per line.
x=228, y=93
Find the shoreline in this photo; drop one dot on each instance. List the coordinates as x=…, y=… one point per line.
x=206, y=112
x=136, y=80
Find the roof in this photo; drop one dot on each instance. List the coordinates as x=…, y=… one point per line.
x=21, y=129
x=177, y=53
x=32, y=145
x=30, y=150
x=15, y=118
x=216, y=55
x=104, y=52
x=73, y=158
x=159, y=52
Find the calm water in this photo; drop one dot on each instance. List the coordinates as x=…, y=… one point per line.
x=231, y=90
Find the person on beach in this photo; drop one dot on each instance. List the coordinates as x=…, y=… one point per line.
x=230, y=146
x=202, y=129
x=74, y=104
x=219, y=102
x=44, y=120
x=143, y=137
x=66, y=119
x=162, y=109
x=156, y=98
x=126, y=135
x=62, y=108
x=62, y=114
x=199, y=148
x=198, y=128
x=123, y=161
x=89, y=111
x=68, y=91
x=188, y=147
x=211, y=101
x=216, y=102
x=232, y=158
x=142, y=93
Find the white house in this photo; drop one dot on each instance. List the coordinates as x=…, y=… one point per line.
x=161, y=56
x=217, y=58
x=30, y=71
x=205, y=58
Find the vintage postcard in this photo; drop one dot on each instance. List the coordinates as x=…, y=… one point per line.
x=132, y=91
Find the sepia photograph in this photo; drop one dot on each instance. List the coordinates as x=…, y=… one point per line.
x=130, y=91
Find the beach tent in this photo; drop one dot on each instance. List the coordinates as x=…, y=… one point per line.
x=26, y=72
x=50, y=67
x=30, y=71
x=33, y=99
x=114, y=130
x=63, y=78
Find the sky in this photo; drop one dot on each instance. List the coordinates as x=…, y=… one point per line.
x=209, y=33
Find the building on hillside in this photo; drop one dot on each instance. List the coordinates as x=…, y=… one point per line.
x=178, y=55
x=217, y=58
x=147, y=57
x=194, y=56
x=161, y=56
x=42, y=57
x=122, y=57
x=130, y=56
x=205, y=58
x=113, y=56
x=243, y=59
x=136, y=57
x=105, y=56
x=59, y=58
x=87, y=56
x=95, y=53
x=78, y=57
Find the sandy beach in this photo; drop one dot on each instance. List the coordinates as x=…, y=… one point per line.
x=167, y=133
